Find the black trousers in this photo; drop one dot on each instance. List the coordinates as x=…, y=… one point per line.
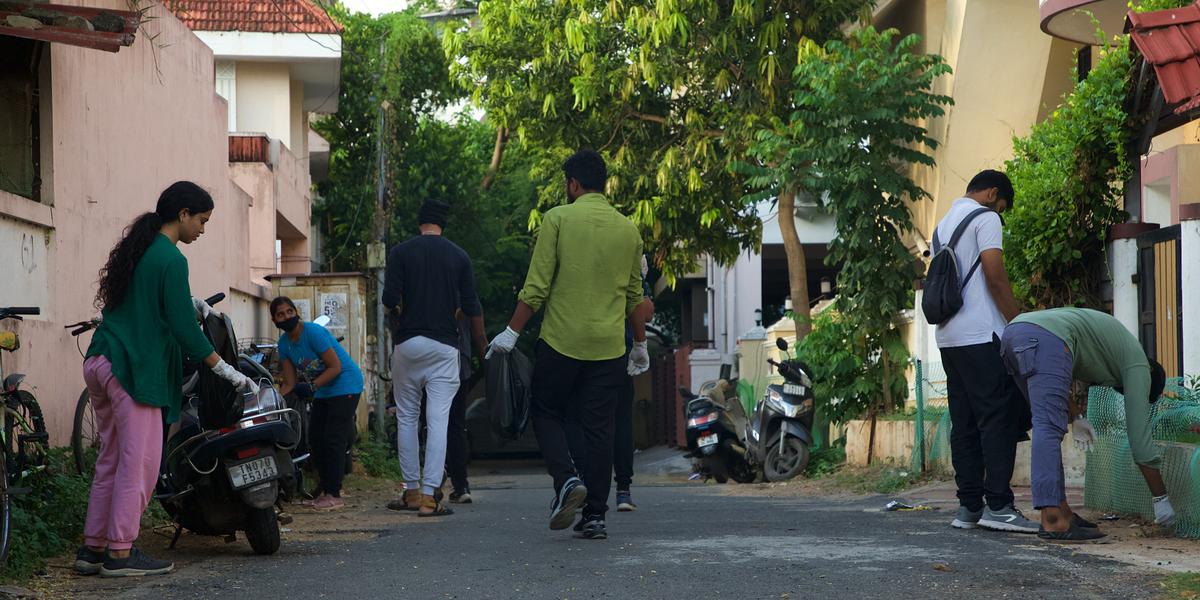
x=330, y=428
x=986, y=423
x=574, y=410
x=623, y=439
x=456, y=441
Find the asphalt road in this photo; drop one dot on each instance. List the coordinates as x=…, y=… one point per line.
x=685, y=541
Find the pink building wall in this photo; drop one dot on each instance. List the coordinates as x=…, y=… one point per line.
x=124, y=126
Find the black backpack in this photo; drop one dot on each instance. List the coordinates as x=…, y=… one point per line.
x=943, y=287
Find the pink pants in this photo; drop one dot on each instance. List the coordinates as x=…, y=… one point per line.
x=128, y=463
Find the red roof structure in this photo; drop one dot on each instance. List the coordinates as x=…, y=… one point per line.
x=59, y=24
x=1170, y=41
x=264, y=16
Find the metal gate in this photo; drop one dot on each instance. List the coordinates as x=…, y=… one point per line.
x=1160, y=301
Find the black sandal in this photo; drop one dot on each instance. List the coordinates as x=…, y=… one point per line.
x=404, y=503
x=439, y=508
x=1082, y=522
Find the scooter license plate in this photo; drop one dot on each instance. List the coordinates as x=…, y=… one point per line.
x=250, y=473
x=707, y=440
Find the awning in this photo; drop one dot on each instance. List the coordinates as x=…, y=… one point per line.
x=96, y=28
x=1170, y=41
x=1073, y=19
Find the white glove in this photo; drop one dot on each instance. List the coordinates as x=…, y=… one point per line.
x=202, y=308
x=639, y=359
x=1164, y=513
x=235, y=377
x=1083, y=434
x=504, y=342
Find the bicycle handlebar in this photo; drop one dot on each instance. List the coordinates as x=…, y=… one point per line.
x=14, y=312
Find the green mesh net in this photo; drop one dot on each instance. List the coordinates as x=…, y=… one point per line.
x=933, y=414
x=1113, y=482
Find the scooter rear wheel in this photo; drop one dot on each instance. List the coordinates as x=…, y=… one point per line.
x=262, y=530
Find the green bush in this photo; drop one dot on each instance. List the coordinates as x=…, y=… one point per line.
x=47, y=521
x=377, y=460
x=1069, y=177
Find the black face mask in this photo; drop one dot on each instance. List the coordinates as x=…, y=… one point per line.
x=288, y=325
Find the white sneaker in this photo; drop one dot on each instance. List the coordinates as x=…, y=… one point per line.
x=1007, y=519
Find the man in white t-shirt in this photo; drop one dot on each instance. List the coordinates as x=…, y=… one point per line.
x=985, y=410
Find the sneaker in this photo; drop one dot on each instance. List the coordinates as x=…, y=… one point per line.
x=88, y=561
x=134, y=565
x=461, y=496
x=578, y=528
x=593, y=529
x=1007, y=519
x=625, y=502
x=966, y=518
x=1076, y=535
x=567, y=503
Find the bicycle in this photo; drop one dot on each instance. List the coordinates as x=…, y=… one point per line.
x=24, y=441
x=85, y=439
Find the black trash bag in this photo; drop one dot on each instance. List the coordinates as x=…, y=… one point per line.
x=221, y=405
x=508, y=393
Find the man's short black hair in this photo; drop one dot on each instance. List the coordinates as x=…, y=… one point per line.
x=588, y=168
x=989, y=179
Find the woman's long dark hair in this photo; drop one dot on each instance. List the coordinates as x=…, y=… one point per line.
x=117, y=273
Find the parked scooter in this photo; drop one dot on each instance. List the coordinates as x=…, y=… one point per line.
x=716, y=421
x=780, y=430
x=228, y=458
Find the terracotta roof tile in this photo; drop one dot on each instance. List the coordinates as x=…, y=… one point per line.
x=1170, y=41
x=268, y=16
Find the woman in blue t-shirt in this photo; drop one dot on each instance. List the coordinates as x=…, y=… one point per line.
x=336, y=383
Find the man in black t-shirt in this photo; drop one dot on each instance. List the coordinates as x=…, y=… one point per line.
x=429, y=279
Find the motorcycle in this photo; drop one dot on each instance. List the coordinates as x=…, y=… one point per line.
x=780, y=430
x=715, y=422
x=228, y=459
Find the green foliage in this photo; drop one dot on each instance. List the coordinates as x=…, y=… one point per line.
x=49, y=520
x=1069, y=175
x=852, y=138
x=377, y=460
x=670, y=92
x=826, y=460
x=847, y=366
x=394, y=61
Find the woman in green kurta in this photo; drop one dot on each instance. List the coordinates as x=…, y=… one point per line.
x=134, y=373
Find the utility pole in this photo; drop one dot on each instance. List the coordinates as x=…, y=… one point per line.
x=377, y=256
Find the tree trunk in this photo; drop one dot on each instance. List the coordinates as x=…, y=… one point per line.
x=497, y=156
x=797, y=267
x=871, y=440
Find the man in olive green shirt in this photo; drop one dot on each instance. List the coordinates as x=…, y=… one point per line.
x=586, y=272
x=1045, y=350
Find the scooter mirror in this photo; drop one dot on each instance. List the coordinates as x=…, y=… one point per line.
x=781, y=344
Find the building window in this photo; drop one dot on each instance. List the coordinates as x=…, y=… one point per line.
x=20, y=117
x=227, y=88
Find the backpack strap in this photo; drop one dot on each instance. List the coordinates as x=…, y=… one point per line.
x=962, y=227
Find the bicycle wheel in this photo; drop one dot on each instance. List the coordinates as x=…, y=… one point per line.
x=5, y=509
x=85, y=436
x=26, y=434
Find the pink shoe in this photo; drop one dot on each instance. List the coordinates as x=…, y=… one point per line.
x=326, y=503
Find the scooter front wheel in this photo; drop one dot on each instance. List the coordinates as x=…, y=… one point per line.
x=262, y=530
x=786, y=459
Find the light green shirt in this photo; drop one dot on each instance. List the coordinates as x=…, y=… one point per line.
x=586, y=271
x=1105, y=353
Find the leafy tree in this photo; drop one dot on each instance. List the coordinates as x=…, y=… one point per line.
x=854, y=135
x=669, y=91
x=1069, y=175
x=392, y=63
